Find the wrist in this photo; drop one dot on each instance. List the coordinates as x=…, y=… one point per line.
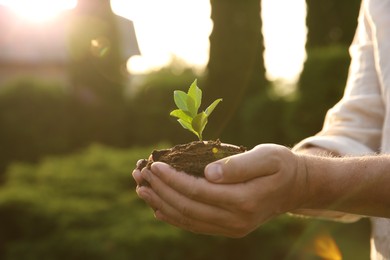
x=297, y=196
x=322, y=185
x=304, y=177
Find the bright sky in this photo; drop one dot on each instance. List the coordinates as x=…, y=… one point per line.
x=39, y=10
x=284, y=31
x=180, y=29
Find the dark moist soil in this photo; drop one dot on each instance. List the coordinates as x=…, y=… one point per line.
x=192, y=157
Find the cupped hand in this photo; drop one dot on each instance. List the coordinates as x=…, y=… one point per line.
x=238, y=194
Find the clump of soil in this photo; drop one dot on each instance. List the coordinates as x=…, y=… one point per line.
x=193, y=157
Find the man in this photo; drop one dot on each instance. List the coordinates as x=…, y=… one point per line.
x=342, y=173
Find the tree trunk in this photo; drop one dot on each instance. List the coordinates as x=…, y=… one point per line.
x=331, y=22
x=236, y=65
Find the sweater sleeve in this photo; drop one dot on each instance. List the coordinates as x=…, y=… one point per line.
x=354, y=125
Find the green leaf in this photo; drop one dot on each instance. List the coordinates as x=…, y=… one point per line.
x=211, y=108
x=180, y=98
x=199, y=122
x=191, y=107
x=188, y=105
x=183, y=115
x=196, y=94
x=188, y=126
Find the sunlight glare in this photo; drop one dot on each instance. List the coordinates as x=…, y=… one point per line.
x=326, y=248
x=284, y=31
x=172, y=29
x=38, y=10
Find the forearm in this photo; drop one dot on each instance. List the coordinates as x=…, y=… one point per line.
x=356, y=185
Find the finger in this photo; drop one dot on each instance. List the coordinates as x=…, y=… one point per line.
x=183, y=204
x=137, y=176
x=199, y=189
x=261, y=161
x=145, y=193
x=165, y=212
x=227, y=206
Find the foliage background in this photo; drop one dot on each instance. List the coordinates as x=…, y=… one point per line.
x=65, y=164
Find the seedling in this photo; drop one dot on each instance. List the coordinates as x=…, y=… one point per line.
x=188, y=105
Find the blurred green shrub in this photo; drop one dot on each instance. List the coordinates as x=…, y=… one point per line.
x=39, y=118
x=147, y=115
x=33, y=120
x=77, y=207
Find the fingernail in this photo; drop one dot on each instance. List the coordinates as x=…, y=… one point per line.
x=155, y=168
x=213, y=172
x=158, y=167
x=143, y=195
x=136, y=174
x=146, y=175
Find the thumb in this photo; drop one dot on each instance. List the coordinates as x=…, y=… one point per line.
x=261, y=161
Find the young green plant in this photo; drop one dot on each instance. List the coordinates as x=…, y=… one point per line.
x=188, y=105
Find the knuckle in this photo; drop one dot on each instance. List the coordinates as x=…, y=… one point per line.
x=245, y=204
x=185, y=211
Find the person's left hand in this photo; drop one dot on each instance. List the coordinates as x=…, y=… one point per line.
x=238, y=194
